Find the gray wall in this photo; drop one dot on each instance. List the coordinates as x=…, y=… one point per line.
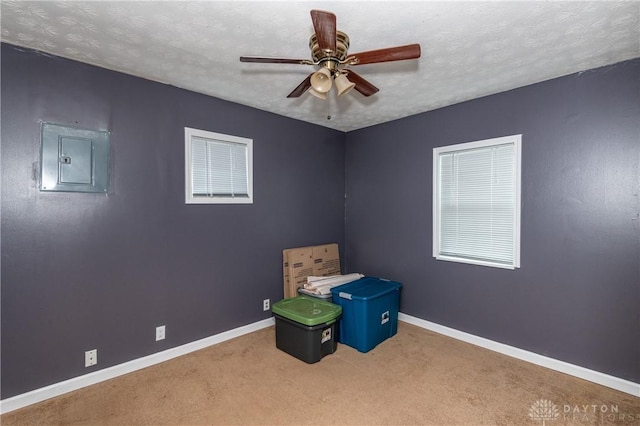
x=85, y=271
x=576, y=296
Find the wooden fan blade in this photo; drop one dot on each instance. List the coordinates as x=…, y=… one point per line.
x=362, y=85
x=400, y=53
x=324, y=24
x=274, y=60
x=302, y=87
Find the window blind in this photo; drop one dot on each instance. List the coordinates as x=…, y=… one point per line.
x=477, y=204
x=219, y=168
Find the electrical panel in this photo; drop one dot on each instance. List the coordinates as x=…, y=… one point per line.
x=74, y=160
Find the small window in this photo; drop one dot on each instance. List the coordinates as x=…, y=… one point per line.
x=476, y=202
x=218, y=168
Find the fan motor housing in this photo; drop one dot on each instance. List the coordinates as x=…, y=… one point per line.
x=330, y=59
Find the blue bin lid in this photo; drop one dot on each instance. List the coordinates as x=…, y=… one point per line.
x=365, y=288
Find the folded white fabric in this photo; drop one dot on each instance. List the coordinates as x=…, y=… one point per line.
x=323, y=285
x=343, y=279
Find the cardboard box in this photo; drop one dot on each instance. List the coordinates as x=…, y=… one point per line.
x=299, y=263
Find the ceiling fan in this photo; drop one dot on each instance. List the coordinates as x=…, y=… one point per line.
x=329, y=51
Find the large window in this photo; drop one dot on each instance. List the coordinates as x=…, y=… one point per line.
x=476, y=202
x=218, y=168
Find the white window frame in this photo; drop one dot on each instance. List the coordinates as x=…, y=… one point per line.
x=189, y=134
x=516, y=140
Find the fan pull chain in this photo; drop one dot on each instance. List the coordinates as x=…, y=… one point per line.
x=328, y=108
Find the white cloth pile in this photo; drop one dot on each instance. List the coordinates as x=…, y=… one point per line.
x=323, y=285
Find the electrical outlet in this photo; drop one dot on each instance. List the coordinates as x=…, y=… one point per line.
x=160, y=333
x=90, y=358
x=266, y=303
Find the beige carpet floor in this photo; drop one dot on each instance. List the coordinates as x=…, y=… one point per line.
x=415, y=378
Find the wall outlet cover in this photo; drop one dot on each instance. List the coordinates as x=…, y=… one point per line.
x=160, y=332
x=90, y=358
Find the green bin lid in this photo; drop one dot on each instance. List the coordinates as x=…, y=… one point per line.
x=307, y=310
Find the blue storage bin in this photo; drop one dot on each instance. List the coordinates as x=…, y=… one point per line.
x=369, y=311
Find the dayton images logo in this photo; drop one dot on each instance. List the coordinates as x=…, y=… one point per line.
x=544, y=410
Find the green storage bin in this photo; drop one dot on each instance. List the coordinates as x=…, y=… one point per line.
x=306, y=327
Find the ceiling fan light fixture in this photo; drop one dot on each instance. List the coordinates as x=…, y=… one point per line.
x=329, y=51
x=321, y=80
x=343, y=85
x=317, y=94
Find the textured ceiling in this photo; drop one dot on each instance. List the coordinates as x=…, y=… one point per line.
x=469, y=49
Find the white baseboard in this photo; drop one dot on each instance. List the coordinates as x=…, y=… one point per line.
x=57, y=389
x=554, y=364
